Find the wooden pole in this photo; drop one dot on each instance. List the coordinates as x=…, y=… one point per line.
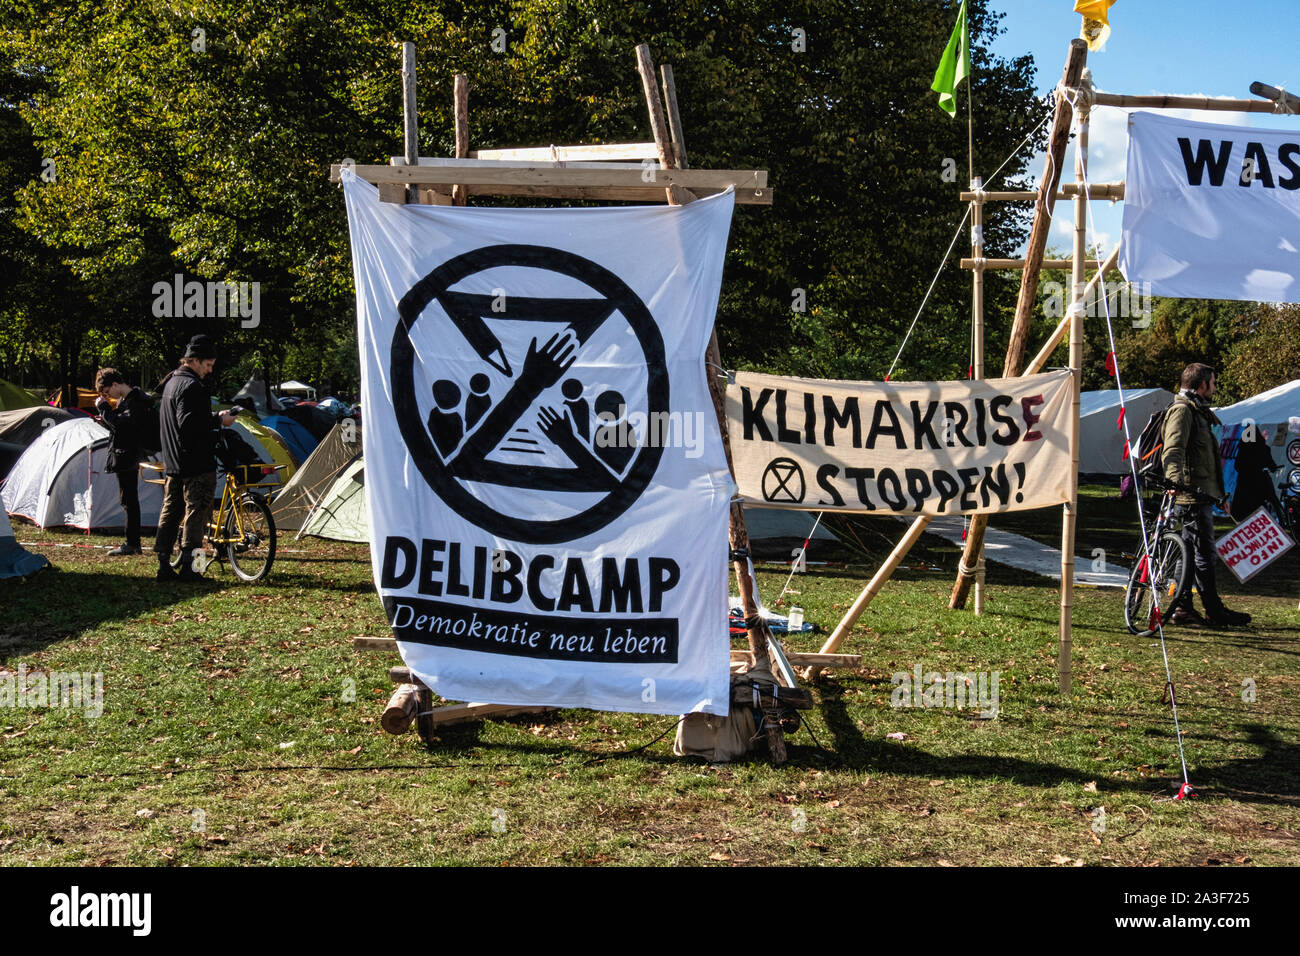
x=674, y=116
x=1070, y=511
x=738, y=536
x=663, y=141
x=1028, y=287
x=1067, y=191
x=977, y=335
x=875, y=584
x=1162, y=102
x=460, y=102
x=410, y=123
x=1289, y=102
x=1063, y=326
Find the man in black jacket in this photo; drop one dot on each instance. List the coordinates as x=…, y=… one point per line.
x=188, y=430
x=127, y=422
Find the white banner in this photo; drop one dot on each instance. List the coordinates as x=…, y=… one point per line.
x=932, y=447
x=547, y=490
x=1212, y=211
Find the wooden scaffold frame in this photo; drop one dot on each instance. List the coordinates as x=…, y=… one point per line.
x=1076, y=95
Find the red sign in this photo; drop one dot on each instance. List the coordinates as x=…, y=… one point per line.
x=1253, y=545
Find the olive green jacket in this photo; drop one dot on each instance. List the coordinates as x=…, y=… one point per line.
x=1191, y=454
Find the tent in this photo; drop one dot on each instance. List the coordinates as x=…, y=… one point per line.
x=13, y=396
x=60, y=480
x=294, y=387
x=21, y=427
x=257, y=392
x=15, y=560
x=314, y=479
x=341, y=514
x=270, y=446
x=1101, y=441
x=1275, y=412
x=318, y=421
x=775, y=532
x=297, y=439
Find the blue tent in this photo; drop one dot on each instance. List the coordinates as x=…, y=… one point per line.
x=15, y=560
x=299, y=441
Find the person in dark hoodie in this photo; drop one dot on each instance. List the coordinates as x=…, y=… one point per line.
x=127, y=423
x=188, y=428
x=1255, y=467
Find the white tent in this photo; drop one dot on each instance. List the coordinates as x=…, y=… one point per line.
x=295, y=387
x=60, y=480
x=1101, y=440
x=1276, y=413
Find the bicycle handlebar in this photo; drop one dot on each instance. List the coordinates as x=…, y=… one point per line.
x=1173, y=486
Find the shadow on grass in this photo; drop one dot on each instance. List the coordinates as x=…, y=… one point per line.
x=1268, y=778
x=58, y=604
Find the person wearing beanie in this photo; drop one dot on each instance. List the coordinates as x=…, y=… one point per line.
x=188, y=430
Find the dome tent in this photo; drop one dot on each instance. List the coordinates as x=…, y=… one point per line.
x=61, y=480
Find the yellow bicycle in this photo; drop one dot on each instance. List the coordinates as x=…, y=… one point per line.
x=242, y=530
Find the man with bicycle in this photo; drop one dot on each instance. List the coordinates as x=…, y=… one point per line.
x=188, y=429
x=1191, y=460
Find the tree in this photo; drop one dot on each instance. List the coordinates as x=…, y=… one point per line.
x=198, y=141
x=1266, y=349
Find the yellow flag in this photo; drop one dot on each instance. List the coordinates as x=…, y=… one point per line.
x=1096, y=27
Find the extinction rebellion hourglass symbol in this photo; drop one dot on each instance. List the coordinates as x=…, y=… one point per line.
x=540, y=405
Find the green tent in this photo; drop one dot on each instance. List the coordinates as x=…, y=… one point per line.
x=340, y=515
x=12, y=397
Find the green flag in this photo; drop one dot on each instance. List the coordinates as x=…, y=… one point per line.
x=955, y=65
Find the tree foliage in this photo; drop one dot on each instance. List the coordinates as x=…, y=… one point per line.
x=197, y=139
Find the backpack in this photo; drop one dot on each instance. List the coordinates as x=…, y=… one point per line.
x=1151, y=444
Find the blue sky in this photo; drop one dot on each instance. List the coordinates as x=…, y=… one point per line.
x=1189, y=47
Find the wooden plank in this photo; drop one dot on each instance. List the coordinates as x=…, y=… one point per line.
x=386, y=644
x=392, y=192
x=1025, y=304
x=572, y=154
x=473, y=174
x=648, y=192
x=802, y=659
x=461, y=713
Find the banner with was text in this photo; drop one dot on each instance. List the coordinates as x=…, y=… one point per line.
x=547, y=489
x=972, y=447
x=1212, y=211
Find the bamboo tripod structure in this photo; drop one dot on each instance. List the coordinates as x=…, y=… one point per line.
x=543, y=172
x=1080, y=91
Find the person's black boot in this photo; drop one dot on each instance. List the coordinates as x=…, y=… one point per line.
x=1223, y=617
x=165, y=572
x=187, y=572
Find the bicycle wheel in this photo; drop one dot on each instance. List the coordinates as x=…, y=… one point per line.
x=1168, y=577
x=251, y=533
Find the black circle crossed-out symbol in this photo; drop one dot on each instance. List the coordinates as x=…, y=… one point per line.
x=443, y=479
x=778, y=478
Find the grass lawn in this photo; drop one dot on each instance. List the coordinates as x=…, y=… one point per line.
x=229, y=735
